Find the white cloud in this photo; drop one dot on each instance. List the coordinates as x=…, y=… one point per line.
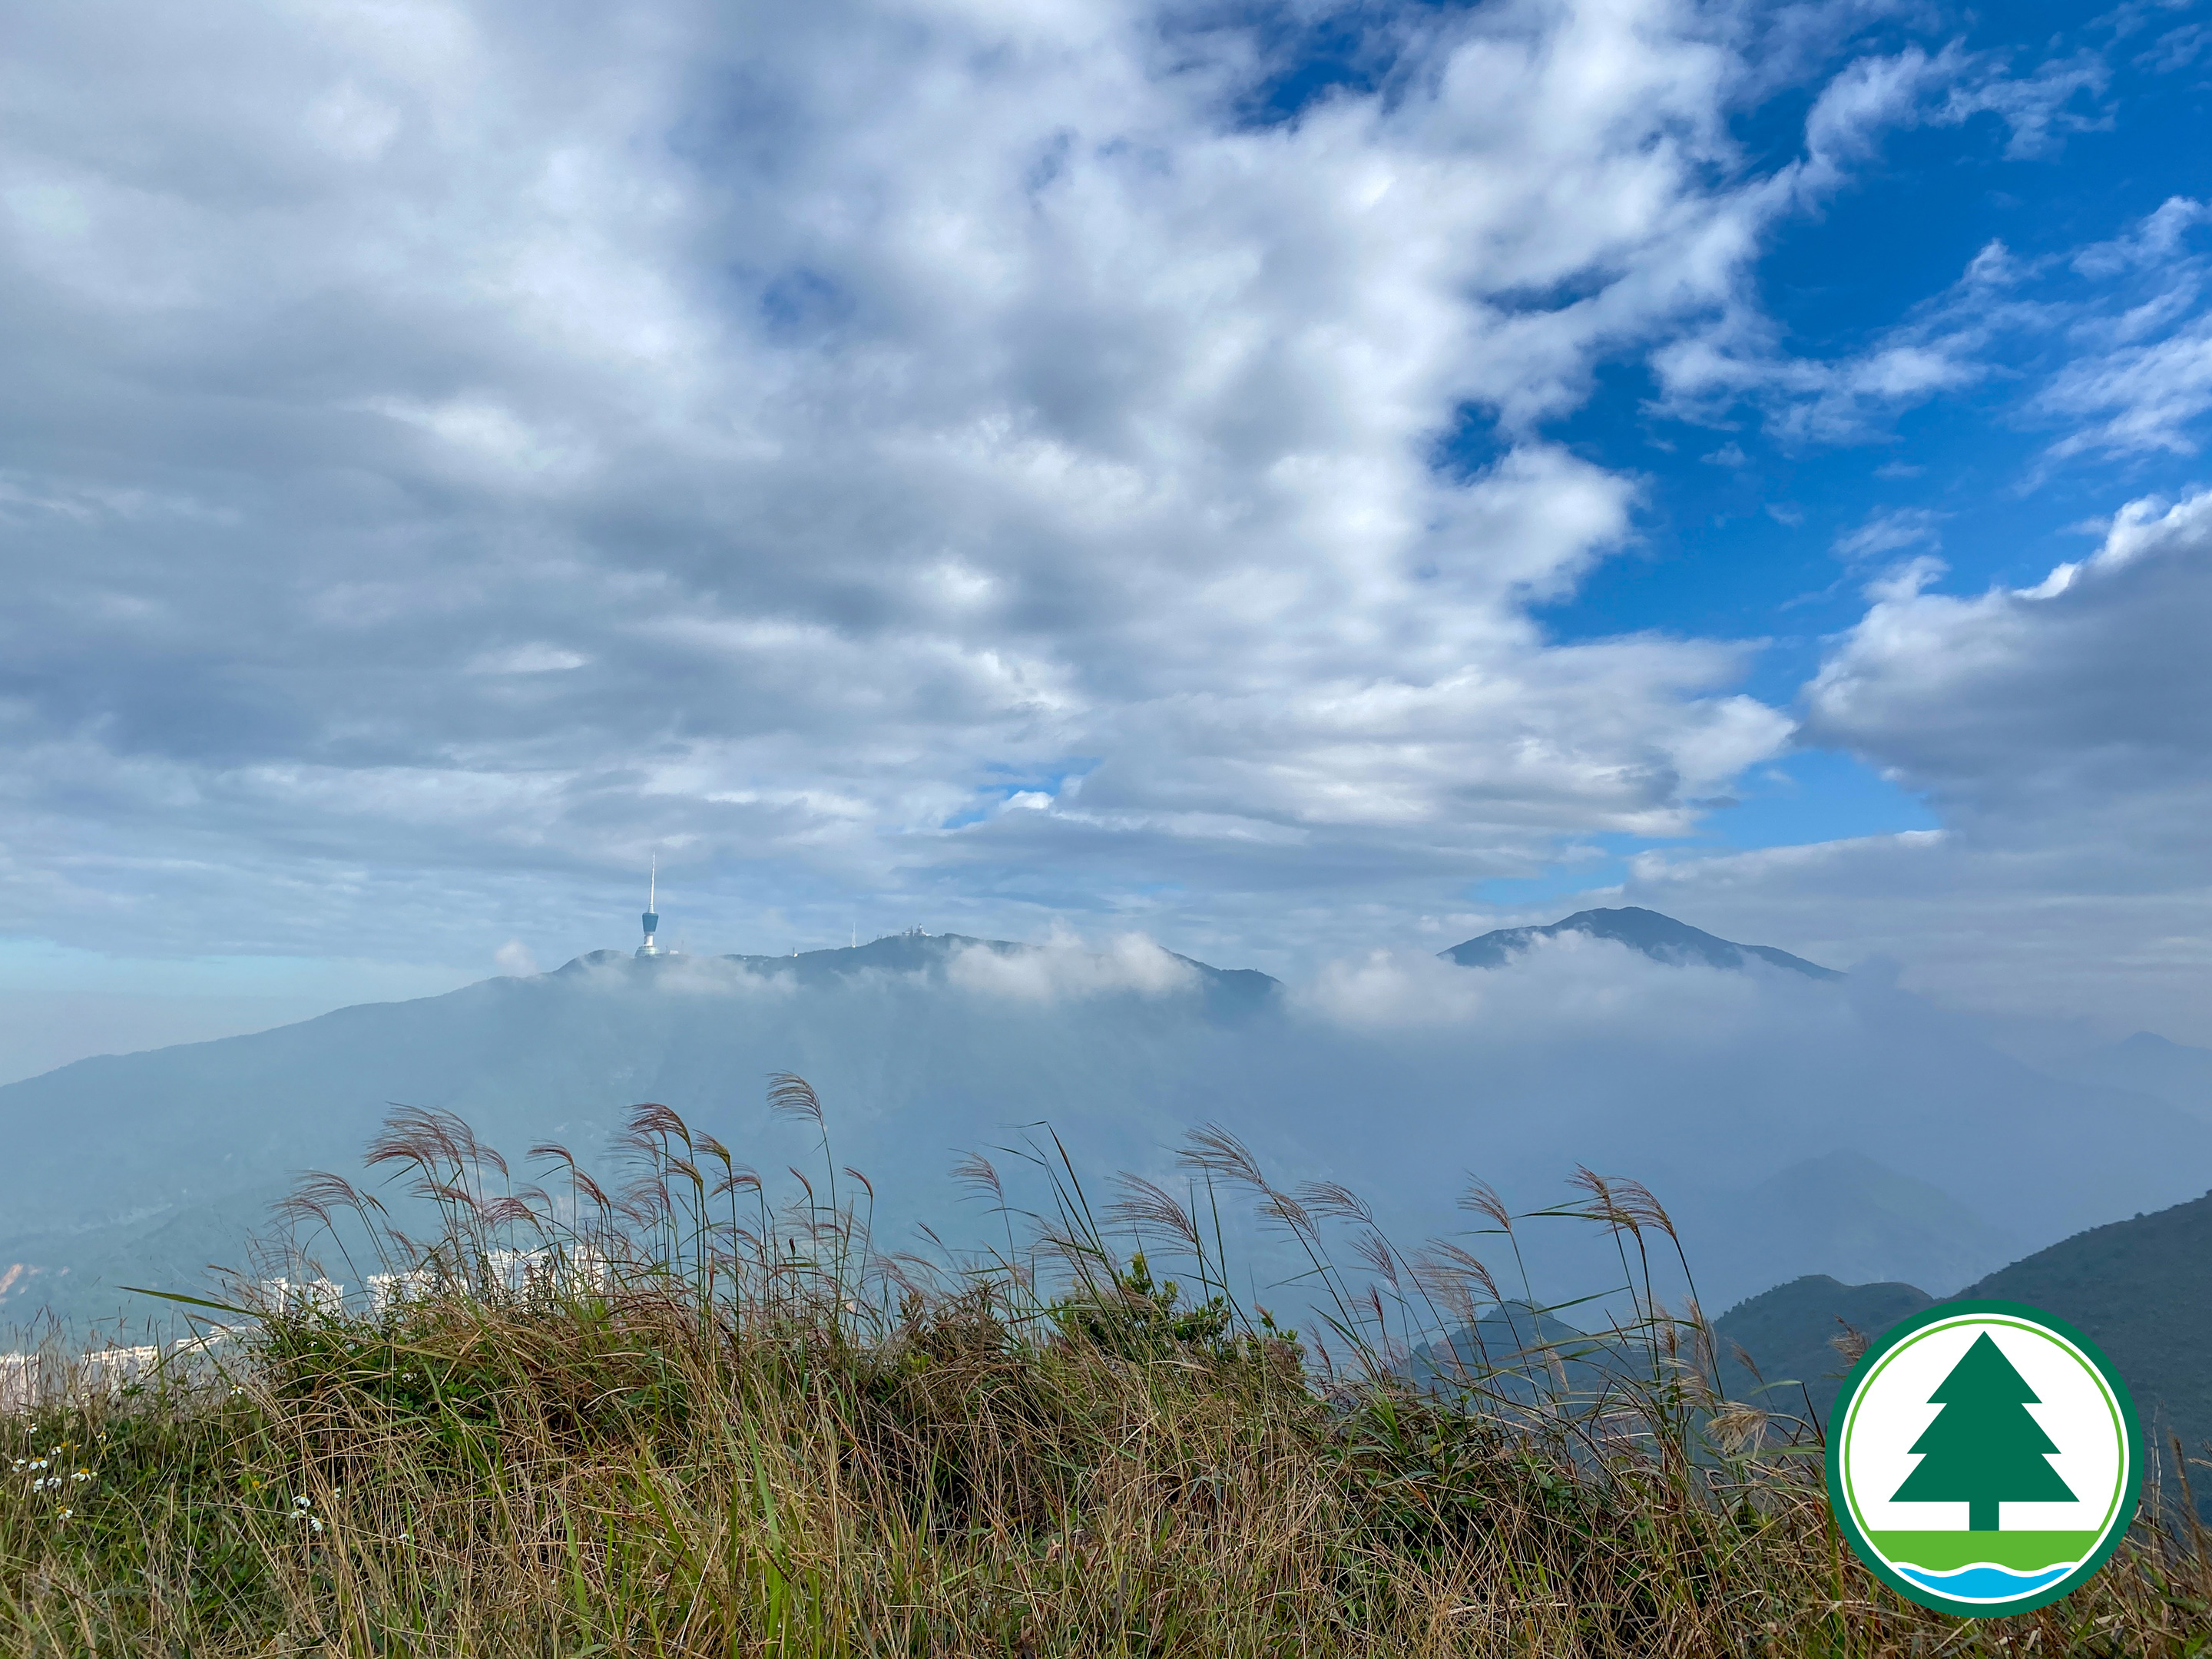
x=2152, y=243
x=1889, y=531
x=535, y=657
x=2056, y=698
x=1741, y=353
x=1065, y=968
x=2112, y=343
x=2151, y=395
x=2037, y=108
x=940, y=460
x=2139, y=375
x=780, y=442
x=2064, y=731
x=2179, y=48
x=1941, y=347
x=1564, y=984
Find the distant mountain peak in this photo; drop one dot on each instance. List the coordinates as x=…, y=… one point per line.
x=1226, y=991
x=2150, y=1042
x=1659, y=937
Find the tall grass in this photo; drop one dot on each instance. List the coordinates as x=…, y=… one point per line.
x=671, y=1415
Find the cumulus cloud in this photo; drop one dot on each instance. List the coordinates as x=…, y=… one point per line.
x=2090, y=687
x=476, y=446
x=910, y=462
x=2064, y=731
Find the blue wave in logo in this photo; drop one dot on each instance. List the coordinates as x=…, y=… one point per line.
x=1985, y=1583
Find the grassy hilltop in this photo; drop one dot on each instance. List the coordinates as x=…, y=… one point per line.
x=683, y=1420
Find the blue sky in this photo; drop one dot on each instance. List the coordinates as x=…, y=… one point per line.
x=1288, y=481
x=1758, y=545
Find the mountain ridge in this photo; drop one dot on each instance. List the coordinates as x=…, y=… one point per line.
x=2135, y=1287
x=930, y=1046
x=1653, y=934
x=2139, y=1289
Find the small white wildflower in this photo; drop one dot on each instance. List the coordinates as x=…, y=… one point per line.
x=40, y=1464
x=82, y=1474
x=64, y=1515
x=316, y=1524
x=303, y=1502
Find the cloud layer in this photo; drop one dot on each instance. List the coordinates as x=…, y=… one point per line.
x=923, y=452
x=1402, y=1076
x=929, y=461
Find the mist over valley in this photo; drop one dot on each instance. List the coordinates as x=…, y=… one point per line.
x=1794, y=1120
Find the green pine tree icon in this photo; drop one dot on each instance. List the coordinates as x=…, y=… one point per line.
x=1983, y=1448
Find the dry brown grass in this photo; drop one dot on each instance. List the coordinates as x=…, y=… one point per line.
x=713, y=1461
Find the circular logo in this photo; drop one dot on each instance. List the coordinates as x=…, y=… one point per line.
x=1983, y=1458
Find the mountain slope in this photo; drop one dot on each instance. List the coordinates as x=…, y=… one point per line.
x=1790, y=1333
x=1659, y=937
x=925, y=1046
x=2141, y=1291
x=81, y=1277
x=1735, y=1096
x=563, y=1052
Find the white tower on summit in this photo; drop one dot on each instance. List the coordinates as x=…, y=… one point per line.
x=652, y=918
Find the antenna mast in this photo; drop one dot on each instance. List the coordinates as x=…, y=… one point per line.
x=652, y=916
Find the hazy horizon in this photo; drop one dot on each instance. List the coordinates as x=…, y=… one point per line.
x=51, y=1028
x=1791, y=1122
x=1285, y=482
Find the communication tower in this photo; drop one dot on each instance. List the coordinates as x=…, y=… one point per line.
x=652, y=917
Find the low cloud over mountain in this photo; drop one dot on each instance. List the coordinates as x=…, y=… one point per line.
x=1661, y=937
x=1770, y=1107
